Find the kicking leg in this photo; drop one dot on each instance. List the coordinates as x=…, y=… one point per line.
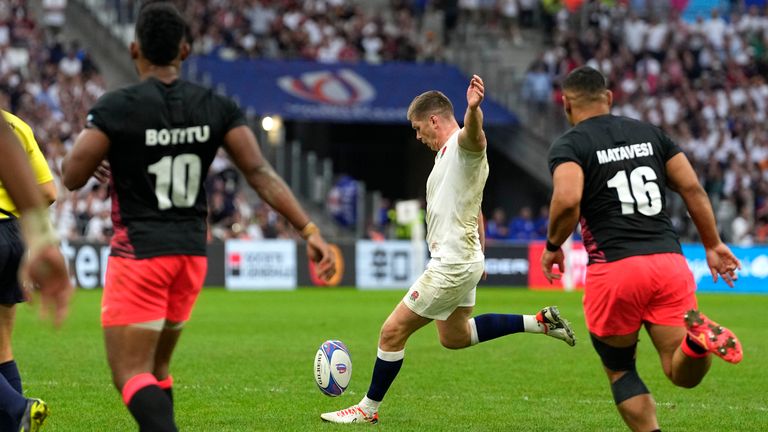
x=398, y=327
x=684, y=370
x=131, y=356
x=633, y=400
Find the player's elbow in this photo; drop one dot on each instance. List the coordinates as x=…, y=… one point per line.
x=71, y=182
x=567, y=201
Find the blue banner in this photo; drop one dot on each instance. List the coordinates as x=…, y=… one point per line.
x=753, y=276
x=342, y=93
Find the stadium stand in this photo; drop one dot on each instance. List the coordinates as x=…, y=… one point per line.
x=703, y=82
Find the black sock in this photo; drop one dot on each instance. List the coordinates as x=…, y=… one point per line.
x=11, y=373
x=152, y=410
x=384, y=373
x=694, y=346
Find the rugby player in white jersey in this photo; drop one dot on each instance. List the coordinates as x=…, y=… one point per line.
x=445, y=292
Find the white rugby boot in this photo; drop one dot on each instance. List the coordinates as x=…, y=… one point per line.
x=555, y=325
x=353, y=414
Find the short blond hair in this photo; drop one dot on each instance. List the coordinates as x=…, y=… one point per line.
x=430, y=103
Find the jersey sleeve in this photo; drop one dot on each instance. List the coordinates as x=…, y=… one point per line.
x=32, y=149
x=37, y=160
x=668, y=147
x=563, y=150
x=232, y=114
x=100, y=115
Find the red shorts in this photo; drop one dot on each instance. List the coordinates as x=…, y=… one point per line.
x=621, y=295
x=143, y=290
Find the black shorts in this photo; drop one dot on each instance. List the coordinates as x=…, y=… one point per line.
x=11, y=252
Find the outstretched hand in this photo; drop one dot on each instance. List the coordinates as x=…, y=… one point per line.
x=475, y=92
x=722, y=262
x=321, y=254
x=45, y=272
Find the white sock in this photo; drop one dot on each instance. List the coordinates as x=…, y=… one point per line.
x=370, y=406
x=473, y=338
x=532, y=325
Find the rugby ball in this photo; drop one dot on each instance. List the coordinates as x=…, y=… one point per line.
x=333, y=368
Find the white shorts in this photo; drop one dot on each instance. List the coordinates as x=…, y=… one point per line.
x=444, y=287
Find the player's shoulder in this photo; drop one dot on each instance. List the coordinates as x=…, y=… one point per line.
x=18, y=125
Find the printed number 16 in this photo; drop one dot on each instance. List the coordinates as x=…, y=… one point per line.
x=644, y=191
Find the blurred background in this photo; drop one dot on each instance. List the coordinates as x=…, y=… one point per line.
x=326, y=83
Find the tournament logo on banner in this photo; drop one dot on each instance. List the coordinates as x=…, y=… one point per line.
x=342, y=87
x=260, y=265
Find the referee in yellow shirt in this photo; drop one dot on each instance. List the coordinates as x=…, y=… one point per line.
x=15, y=409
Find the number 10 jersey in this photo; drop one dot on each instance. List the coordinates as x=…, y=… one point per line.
x=163, y=138
x=623, y=206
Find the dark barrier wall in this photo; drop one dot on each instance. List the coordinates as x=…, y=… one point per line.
x=506, y=265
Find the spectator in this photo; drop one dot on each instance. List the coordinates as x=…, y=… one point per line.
x=523, y=227
x=497, y=228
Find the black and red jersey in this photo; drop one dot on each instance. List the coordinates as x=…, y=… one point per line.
x=163, y=138
x=623, y=207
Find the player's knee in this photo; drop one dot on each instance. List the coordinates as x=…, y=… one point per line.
x=685, y=381
x=453, y=342
x=615, y=358
x=628, y=386
x=392, y=336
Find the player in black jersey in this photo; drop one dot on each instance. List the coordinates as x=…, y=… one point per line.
x=610, y=174
x=160, y=137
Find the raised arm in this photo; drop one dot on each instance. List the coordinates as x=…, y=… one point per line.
x=244, y=151
x=472, y=136
x=682, y=179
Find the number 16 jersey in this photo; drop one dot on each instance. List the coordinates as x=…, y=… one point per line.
x=163, y=138
x=623, y=206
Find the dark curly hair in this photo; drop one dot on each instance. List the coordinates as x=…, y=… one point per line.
x=159, y=30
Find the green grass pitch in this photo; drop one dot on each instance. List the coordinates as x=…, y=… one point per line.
x=245, y=364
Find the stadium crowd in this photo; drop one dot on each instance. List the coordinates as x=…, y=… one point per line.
x=702, y=82
x=51, y=84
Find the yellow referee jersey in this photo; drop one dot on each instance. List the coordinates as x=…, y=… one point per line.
x=36, y=159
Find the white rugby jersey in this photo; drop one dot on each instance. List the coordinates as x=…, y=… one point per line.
x=454, y=194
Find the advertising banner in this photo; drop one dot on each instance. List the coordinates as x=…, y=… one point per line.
x=753, y=276
x=577, y=261
x=506, y=265
x=87, y=263
x=260, y=265
x=345, y=267
x=386, y=264
x=343, y=92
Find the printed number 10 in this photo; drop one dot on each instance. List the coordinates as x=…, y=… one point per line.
x=640, y=189
x=178, y=180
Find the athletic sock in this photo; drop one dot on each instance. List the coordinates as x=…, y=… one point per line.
x=491, y=326
x=12, y=402
x=384, y=373
x=11, y=373
x=166, y=385
x=148, y=404
x=693, y=349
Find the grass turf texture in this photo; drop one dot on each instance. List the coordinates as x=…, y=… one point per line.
x=244, y=363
